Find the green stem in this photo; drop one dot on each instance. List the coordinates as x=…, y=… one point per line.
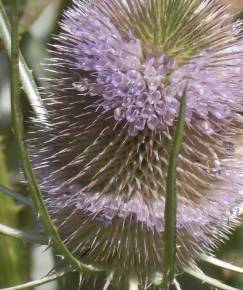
x=171, y=200
x=19, y=132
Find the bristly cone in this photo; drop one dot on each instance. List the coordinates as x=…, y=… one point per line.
x=118, y=71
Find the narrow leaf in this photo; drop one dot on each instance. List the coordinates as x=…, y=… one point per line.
x=17, y=196
x=209, y=280
x=171, y=200
x=42, y=281
x=241, y=209
x=108, y=281
x=30, y=236
x=177, y=285
x=133, y=284
x=26, y=76
x=221, y=264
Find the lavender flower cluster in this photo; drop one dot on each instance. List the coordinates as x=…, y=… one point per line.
x=118, y=72
x=108, y=208
x=141, y=88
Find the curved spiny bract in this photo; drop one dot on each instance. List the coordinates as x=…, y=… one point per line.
x=118, y=71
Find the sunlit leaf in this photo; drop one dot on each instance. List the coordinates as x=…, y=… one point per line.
x=29, y=236
x=209, y=280
x=32, y=11
x=26, y=76
x=41, y=281
x=221, y=264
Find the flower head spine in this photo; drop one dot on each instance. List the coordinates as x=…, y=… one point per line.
x=118, y=73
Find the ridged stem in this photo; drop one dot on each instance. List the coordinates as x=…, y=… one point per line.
x=171, y=200
x=19, y=132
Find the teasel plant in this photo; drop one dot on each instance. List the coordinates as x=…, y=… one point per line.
x=133, y=161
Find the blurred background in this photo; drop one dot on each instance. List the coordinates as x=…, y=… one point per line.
x=22, y=261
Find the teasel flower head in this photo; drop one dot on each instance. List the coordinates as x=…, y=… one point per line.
x=118, y=72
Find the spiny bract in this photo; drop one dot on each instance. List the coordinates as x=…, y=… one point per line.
x=118, y=71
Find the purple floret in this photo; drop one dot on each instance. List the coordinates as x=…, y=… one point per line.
x=145, y=90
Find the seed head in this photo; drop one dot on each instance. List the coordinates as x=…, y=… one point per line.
x=119, y=70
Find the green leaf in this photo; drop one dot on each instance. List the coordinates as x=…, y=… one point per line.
x=13, y=268
x=26, y=76
x=30, y=236
x=177, y=285
x=209, y=280
x=221, y=264
x=32, y=11
x=17, y=196
x=108, y=281
x=41, y=281
x=241, y=209
x=171, y=199
x=133, y=284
